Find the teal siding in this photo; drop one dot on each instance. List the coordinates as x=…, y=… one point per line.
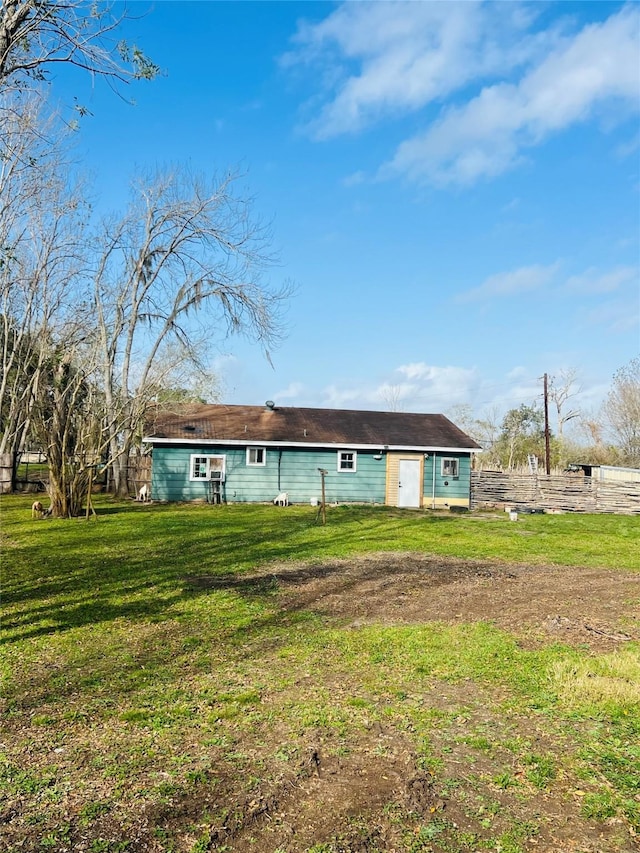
x=302, y=481
x=291, y=470
x=170, y=471
x=447, y=488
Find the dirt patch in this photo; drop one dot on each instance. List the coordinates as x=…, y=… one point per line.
x=596, y=607
x=376, y=795
x=340, y=797
x=377, y=799
x=474, y=781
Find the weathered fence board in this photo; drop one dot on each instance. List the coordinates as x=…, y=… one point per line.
x=33, y=476
x=6, y=473
x=567, y=493
x=138, y=473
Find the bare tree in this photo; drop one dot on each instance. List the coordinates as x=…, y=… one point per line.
x=36, y=34
x=95, y=322
x=592, y=427
x=562, y=388
x=176, y=379
x=41, y=257
x=184, y=264
x=391, y=396
x=68, y=421
x=462, y=415
x=622, y=411
x=45, y=337
x=486, y=430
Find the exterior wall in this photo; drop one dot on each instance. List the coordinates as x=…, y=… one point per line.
x=295, y=471
x=301, y=479
x=392, y=497
x=616, y=473
x=448, y=491
x=291, y=470
x=439, y=494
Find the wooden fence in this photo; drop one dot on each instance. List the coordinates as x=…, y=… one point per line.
x=138, y=473
x=566, y=493
x=27, y=473
x=34, y=477
x=6, y=473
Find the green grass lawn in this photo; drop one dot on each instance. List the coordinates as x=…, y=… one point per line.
x=145, y=711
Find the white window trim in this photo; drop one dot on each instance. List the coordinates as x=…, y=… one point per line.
x=342, y=470
x=443, y=473
x=257, y=464
x=208, y=457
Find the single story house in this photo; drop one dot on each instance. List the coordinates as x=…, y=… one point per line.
x=222, y=453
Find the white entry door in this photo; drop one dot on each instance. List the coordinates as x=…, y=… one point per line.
x=409, y=483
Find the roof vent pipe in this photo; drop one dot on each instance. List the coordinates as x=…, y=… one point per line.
x=270, y=405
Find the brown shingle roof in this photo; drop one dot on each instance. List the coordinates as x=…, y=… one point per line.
x=319, y=427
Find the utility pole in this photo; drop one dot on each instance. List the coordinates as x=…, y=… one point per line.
x=547, y=448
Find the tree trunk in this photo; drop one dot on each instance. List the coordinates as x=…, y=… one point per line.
x=119, y=471
x=68, y=475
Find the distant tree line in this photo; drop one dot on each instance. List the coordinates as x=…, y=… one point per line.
x=609, y=436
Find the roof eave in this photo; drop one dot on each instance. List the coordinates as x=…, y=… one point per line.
x=215, y=442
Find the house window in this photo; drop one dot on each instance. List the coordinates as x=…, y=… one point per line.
x=207, y=468
x=256, y=456
x=450, y=468
x=347, y=460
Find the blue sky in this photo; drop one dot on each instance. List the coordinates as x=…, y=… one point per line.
x=453, y=188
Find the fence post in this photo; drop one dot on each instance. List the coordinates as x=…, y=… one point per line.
x=6, y=473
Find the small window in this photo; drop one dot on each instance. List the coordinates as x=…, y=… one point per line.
x=347, y=460
x=450, y=468
x=256, y=456
x=207, y=468
x=198, y=467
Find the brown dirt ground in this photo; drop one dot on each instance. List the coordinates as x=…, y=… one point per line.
x=369, y=795
x=351, y=799
x=596, y=607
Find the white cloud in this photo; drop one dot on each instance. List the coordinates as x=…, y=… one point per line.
x=422, y=387
x=411, y=387
x=291, y=392
x=517, y=372
x=617, y=316
x=630, y=147
x=594, y=281
x=406, y=55
x=342, y=398
x=511, y=206
x=392, y=395
x=631, y=241
x=436, y=386
x=383, y=60
x=417, y=370
x=488, y=135
x=354, y=179
x=512, y=283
